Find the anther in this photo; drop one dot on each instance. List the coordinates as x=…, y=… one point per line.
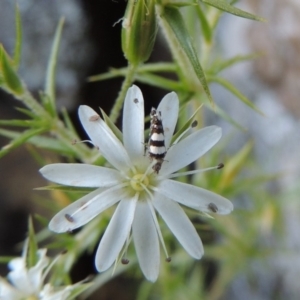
x=194, y=124
x=125, y=261
x=94, y=118
x=212, y=207
x=69, y=218
x=220, y=166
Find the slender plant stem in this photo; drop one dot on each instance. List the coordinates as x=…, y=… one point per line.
x=32, y=104
x=115, y=112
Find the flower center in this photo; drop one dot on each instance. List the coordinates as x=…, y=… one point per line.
x=139, y=181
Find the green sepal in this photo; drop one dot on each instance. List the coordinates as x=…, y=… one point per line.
x=42, y=142
x=160, y=82
x=51, y=68
x=235, y=165
x=6, y=259
x=77, y=289
x=21, y=123
x=65, y=188
x=31, y=254
x=180, y=3
x=18, y=43
x=220, y=65
x=26, y=112
x=149, y=67
x=139, y=29
x=219, y=111
x=187, y=125
x=112, y=126
x=176, y=23
x=20, y=139
x=227, y=7
x=205, y=26
x=230, y=87
x=10, y=78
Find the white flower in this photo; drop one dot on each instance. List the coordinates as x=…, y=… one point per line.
x=132, y=182
x=28, y=283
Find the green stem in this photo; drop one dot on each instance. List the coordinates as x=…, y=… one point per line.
x=115, y=112
x=32, y=104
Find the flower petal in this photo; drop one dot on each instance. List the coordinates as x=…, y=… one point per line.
x=180, y=225
x=133, y=123
x=8, y=292
x=81, y=175
x=102, y=136
x=146, y=241
x=190, y=149
x=85, y=209
x=194, y=197
x=116, y=234
x=19, y=278
x=169, y=108
x=35, y=274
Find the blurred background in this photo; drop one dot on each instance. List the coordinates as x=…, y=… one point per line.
x=91, y=45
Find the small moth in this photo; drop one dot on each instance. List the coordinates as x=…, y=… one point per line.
x=156, y=144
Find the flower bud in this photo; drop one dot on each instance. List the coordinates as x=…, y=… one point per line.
x=8, y=77
x=139, y=30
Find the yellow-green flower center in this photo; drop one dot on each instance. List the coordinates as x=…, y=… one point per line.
x=139, y=182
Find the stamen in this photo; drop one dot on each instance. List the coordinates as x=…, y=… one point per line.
x=150, y=168
x=125, y=261
x=194, y=124
x=212, y=207
x=219, y=166
x=74, y=142
x=53, y=262
x=71, y=216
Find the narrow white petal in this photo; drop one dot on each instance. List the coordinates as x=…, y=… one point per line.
x=35, y=274
x=19, y=276
x=169, y=107
x=115, y=235
x=180, y=225
x=8, y=292
x=133, y=122
x=146, y=241
x=102, y=136
x=190, y=149
x=194, y=197
x=85, y=209
x=81, y=175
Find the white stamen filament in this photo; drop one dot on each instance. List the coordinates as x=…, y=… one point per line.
x=192, y=172
x=179, y=138
x=116, y=187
